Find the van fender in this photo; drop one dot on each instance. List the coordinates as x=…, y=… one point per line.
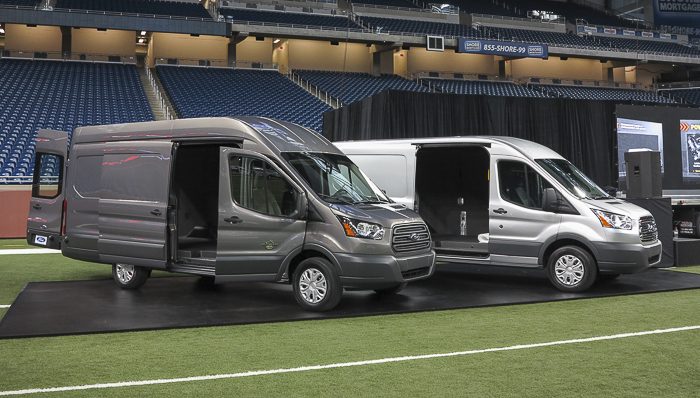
x=574, y=238
x=284, y=268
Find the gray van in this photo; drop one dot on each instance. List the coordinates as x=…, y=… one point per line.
x=230, y=199
x=510, y=202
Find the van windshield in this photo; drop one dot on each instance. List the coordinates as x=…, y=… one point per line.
x=572, y=179
x=335, y=178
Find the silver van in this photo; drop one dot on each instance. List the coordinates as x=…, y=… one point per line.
x=231, y=199
x=511, y=202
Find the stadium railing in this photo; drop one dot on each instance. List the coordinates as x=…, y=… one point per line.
x=161, y=100
x=216, y=63
x=61, y=56
x=109, y=13
x=295, y=26
x=322, y=95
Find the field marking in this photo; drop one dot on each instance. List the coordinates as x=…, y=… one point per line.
x=28, y=251
x=4, y=306
x=343, y=364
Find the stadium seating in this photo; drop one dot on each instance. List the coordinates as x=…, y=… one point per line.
x=601, y=93
x=686, y=96
x=62, y=96
x=197, y=92
x=288, y=18
x=349, y=87
x=23, y=3
x=155, y=7
x=476, y=87
x=387, y=3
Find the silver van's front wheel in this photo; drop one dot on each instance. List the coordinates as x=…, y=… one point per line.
x=572, y=269
x=313, y=285
x=128, y=276
x=316, y=285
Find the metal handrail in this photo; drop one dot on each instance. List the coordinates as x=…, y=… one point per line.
x=509, y=18
x=295, y=26
x=108, y=13
x=313, y=89
x=161, y=100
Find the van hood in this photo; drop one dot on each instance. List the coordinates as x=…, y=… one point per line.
x=385, y=214
x=618, y=206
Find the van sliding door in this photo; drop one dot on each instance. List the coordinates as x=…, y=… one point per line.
x=133, y=205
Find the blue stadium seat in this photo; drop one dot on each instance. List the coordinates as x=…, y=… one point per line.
x=288, y=18
x=154, y=7
x=199, y=92
x=349, y=87
x=22, y=3
x=61, y=95
x=686, y=96
x=476, y=87
x=602, y=93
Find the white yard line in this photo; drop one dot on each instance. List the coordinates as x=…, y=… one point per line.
x=28, y=251
x=344, y=364
x=4, y=306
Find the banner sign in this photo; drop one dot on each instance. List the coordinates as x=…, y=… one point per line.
x=677, y=12
x=690, y=149
x=602, y=30
x=503, y=48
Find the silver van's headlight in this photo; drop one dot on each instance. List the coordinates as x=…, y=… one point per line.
x=612, y=220
x=361, y=229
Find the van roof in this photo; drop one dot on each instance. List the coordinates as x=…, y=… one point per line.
x=278, y=135
x=527, y=148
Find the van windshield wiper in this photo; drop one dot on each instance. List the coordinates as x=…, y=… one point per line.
x=331, y=199
x=372, y=202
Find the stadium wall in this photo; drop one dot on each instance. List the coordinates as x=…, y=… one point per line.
x=14, y=211
x=173, y=45
x=254, y=50
x=421, y=60
x=573, y=68
x=33, y=39
x=111, y=42
x=322, y=55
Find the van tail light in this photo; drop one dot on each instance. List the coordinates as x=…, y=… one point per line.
x=63, y=218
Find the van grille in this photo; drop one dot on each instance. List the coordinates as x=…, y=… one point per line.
x=648, y=232
x=410, y=237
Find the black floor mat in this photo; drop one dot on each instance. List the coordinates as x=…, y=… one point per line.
x=59, y=308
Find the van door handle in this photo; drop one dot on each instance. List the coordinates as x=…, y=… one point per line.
x=36, y=206
x=233, y=220
x=500, y=211
x=156, y=212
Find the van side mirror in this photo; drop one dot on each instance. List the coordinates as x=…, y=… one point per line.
x=553, y=202
x=302, y=207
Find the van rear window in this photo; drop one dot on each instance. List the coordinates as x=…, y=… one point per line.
x=48, y=175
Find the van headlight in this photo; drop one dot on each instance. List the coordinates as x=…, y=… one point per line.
x=361, y=229
x=612, y=220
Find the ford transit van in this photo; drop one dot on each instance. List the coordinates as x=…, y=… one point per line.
x=511, y=202
x=231, y=199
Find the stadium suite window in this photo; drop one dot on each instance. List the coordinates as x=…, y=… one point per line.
x=257, y=186
x=48, y=175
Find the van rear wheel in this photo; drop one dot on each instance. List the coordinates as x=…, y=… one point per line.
x=316, y=285
x=129, y=276
x=572, y=269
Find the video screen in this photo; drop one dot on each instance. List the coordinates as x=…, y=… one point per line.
x=690, y=150
x=638, y=135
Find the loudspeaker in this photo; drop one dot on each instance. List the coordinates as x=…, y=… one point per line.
x=643, y=174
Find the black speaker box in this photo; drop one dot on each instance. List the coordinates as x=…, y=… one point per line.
x=643, y=174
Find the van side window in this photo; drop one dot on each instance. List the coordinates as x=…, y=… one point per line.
x=119, y=182
x=48, y=175
x=257, y=186
x=520, y=184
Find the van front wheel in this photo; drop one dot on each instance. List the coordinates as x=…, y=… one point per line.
x=572, y=269
x=317, y=285
x=129, y=276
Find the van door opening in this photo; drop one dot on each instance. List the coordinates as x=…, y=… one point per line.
x=195, y=204
x=452, y=196
x=46, y=219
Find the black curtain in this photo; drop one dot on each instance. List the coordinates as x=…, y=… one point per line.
x=581, y=131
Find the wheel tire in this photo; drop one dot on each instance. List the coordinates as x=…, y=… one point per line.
x=129, y=277
x=608, y=277
x=391, y=290
x=306, y=291
x=572, y=269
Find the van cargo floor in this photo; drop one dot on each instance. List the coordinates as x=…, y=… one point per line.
x=60, y=308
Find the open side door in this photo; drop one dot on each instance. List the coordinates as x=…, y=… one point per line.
x=133, y=205
x=45, y=220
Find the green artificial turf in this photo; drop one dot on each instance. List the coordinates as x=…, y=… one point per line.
x=14, y=244
x=647, y=365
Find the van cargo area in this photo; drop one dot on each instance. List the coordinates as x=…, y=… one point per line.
x=452, y=193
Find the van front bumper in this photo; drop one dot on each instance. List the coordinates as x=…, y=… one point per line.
x=371, y=271
x=627, y=258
